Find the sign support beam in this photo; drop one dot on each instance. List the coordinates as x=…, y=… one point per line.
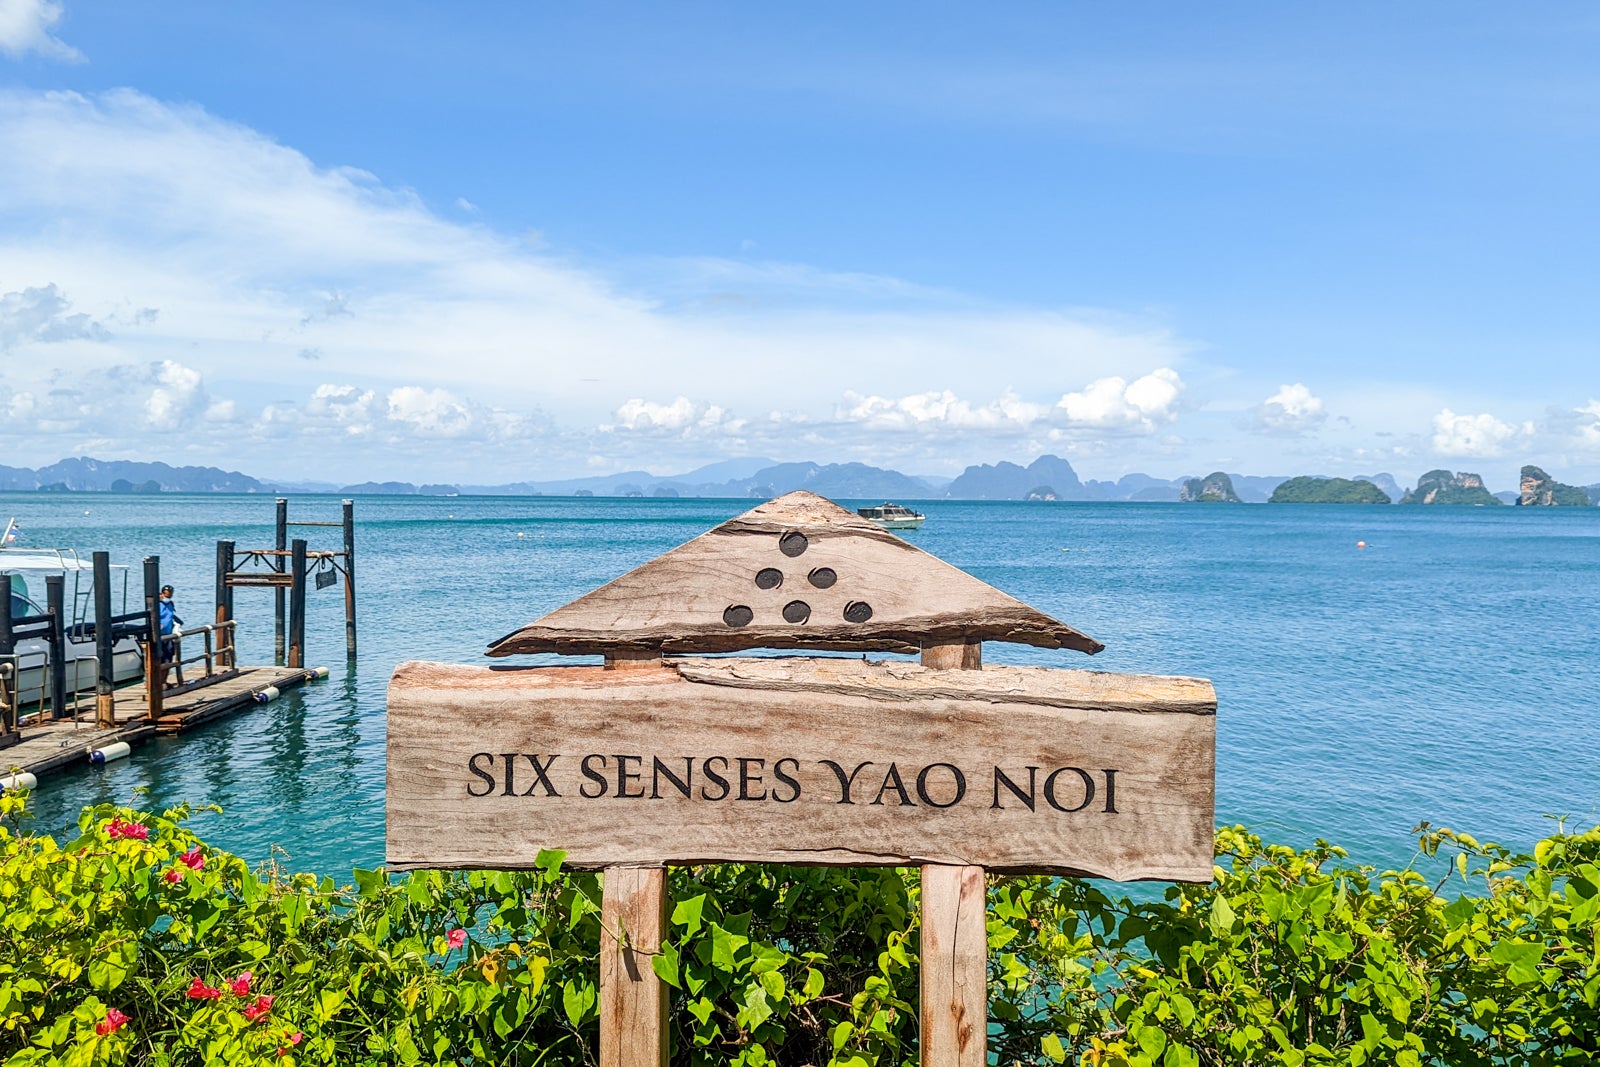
x=633, y=998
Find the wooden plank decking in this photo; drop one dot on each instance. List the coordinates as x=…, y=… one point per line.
x=49, y=745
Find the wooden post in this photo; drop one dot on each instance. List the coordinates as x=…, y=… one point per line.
x=280, y=542
x=105, y=679
x=55, y=586
x=155, y=671
x=8, y=645
x=297, y=605
x=633, y=998
x=350, y=579
x=955, y=946
x=955, y=996
x=224, y=603
x=628, y=659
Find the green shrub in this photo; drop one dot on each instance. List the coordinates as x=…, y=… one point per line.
x=132, y=944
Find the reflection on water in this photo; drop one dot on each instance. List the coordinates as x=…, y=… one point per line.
x=1450, y=672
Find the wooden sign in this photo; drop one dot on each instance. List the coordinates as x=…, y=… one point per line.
x=810, y=761
x=946, y=763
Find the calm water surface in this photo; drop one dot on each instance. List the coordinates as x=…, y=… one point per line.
x=1448, y=672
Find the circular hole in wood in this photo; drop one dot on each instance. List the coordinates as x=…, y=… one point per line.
x=769, y=578
x=823, y=577
x=796, y=611
x=793, y=543
x=738, y=615
x=857, y=611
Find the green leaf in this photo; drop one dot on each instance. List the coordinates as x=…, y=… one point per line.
x=842, y=1034
x=687, y=914
x=110, y=967
x=577, y=998
x=725, y=946
x=1221, y=915
x=665, y=964
x=813, y=986
x=1519, y=958
x=549, y=861
x=369, y=883
x=1050, y=1045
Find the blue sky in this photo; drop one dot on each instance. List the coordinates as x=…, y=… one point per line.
x=515, y=241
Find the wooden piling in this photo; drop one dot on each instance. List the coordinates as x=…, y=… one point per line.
x=155, y=671
x=280, y=543
x=8, y=686
x=224, y=613
x=955, y=946
x=633, y=998
x=349, y=523
x=56, y=607
x=297, y=604
x=105, y=679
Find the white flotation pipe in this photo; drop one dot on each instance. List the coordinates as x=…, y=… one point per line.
x=114, y=751
x=20, y=780
x=267, y=695
x=320, y=672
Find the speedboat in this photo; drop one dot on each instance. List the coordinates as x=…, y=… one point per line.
x=892, y=516
x=29, y=683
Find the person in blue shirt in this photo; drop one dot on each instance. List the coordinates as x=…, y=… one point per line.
x=169, y=619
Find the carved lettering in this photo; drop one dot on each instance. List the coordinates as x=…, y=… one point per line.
x=845, y=781
x=960, y=785
x=1050, y=789
x=787, y=779
x=893, y=775
x=541, y=774
x=624, y=777
x=594, y=776
x=746, y=779
x=1002, y=779
x=659, y=770
x=472, y=765
x=721, y=782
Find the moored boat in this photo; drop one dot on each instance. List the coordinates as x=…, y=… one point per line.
x=29, y=684
x=892, y=516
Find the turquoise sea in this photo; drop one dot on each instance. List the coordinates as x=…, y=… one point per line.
x=1450, y=671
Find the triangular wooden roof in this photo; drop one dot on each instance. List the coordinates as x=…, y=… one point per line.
x=796, y=572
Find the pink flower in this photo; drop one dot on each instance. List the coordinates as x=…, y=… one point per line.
x=456, y=938
x=172, y=875
x=113, y=1022
x=255, y=1011
x=198, y=990
x=294, y=1038
x=119, y=828
x=192, y=859
x=240, y=986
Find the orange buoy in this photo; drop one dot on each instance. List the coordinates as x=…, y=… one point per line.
x=1361, y=544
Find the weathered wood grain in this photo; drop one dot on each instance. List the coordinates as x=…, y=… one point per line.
x=955, y=946
x=896, y=680
x=633, y=998
x=1151, y=770
x=757, y=581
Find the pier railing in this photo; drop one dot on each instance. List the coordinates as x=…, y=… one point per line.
x=216, y=653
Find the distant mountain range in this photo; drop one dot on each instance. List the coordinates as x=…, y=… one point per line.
x=1046, y=478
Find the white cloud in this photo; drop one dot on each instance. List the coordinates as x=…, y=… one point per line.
x=179, y=395
x=40, y=315
x=1589, y=429
x=1480, y=436
x=1291, y=411
x=1142, y=406
x=25, y=27
x=431, y=412
x=941, y=410
x=350, y=281
x=682, y=417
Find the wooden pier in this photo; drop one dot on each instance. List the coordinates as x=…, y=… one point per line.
x=50, y=744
